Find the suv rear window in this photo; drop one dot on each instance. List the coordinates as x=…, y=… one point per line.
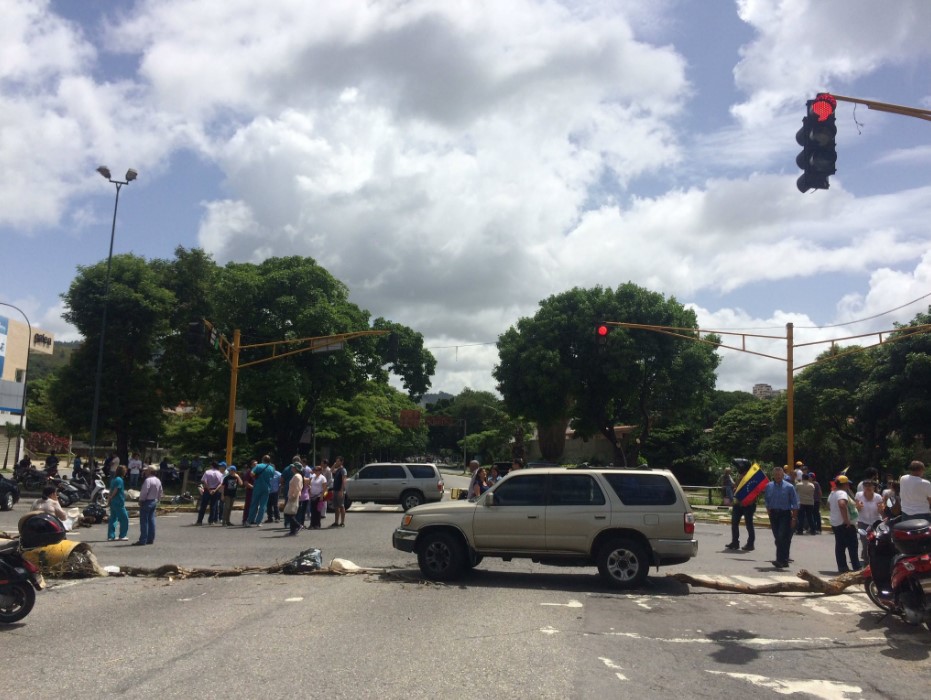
x=642, y=489
x=422, y=471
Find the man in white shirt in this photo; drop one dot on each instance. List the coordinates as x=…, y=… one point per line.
x=915, y=493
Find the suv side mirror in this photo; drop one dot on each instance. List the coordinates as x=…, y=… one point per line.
x=489, y=499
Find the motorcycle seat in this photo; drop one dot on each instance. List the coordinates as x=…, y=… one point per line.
x=8, y=546
x=911, y=526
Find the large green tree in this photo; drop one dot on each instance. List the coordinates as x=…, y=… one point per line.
x=137, y=318
x=293, y=297
x=553, y=370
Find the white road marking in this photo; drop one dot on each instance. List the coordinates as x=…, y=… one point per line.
x=292, y=600
x=549, y=630
x=827, y=690
x=614, y=667
x=570, y=604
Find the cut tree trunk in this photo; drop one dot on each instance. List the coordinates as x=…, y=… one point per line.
x=810, y=583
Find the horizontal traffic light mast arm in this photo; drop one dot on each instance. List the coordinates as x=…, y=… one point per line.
x=692, y=334
x=886, y=107
x=902, y=333
x=313, y=343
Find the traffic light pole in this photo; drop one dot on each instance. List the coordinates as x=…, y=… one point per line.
x=693, y=335
x=887, y=107
x=231, y=352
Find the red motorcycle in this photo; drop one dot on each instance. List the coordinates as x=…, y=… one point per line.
x=898, y=577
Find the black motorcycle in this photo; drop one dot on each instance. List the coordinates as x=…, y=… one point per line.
x=19, y=581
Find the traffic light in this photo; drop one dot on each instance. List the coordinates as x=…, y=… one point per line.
x=816, y=137
x=601, y=336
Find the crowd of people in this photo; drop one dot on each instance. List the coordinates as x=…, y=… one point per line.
x=306, y=491
x=793, y=504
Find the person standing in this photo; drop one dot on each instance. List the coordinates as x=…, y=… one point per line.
x=274, y=486
x=844, y=524
x=118, y=507
x=727, y=487
x=211, y=484
x=295, y=486
x=263, y=474
x=742, y=509
x=317, y=487
x=248, y=483
x=328, y=475
x=307, y=473
x=806, y=505
x=817, y=501
x=782, y=508
x=870, y=505
x=231, y=483
x=915, y=493
x=339, y=493
x=135, y=470
x=149, y=496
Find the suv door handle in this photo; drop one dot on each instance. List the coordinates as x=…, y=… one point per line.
x=601, y=517
x=532, y=517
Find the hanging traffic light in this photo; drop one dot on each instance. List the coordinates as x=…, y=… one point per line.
x=817, y=139
x=601, y=336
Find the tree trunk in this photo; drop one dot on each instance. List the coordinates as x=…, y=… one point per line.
x=551, y=438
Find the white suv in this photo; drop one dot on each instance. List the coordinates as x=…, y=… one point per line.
x=407, y=484
x=622, y=520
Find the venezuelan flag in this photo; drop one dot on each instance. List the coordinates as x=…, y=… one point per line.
x=752, y=485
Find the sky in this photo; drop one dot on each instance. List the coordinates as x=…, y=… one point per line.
x=455, y=162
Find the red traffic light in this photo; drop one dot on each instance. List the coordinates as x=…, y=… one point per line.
x=602, y=331
x=824, y=106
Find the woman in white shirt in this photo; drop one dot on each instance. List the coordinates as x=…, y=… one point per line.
x=870, y=506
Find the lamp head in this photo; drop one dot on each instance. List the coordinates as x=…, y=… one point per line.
x=104, y=170
x=131, y=175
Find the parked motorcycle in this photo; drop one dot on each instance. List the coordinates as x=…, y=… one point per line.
x=30, y=479
x=898, y=576
x=19, y=576
x=94, y=491
x=67, y=492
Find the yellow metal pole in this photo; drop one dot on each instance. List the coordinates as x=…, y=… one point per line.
x=234, y=380
x=790, y=398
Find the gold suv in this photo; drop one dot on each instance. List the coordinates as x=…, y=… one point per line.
x=621, y=520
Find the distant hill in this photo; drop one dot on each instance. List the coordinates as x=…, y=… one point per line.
x=433, y=398
x=43, y=365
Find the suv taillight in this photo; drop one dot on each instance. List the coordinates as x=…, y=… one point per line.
x=689, y=521
x=439, y=485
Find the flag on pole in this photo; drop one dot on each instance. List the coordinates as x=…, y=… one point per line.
x=751, y=485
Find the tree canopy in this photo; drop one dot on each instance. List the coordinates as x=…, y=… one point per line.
x=553, y=371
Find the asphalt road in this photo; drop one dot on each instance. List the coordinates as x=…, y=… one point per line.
x=511, y=630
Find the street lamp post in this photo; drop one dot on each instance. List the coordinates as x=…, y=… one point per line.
x=130, y=176
x=22, y=410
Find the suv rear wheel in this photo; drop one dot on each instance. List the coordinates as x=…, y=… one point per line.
x=6, y=501
x=623, y=563
x=441, y=557
x=411, y=499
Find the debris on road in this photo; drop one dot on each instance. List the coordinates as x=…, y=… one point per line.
x=810, y=583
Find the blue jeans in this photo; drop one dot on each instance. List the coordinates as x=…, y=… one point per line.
x=781, y=523
x=117, y=514
x=147, y=521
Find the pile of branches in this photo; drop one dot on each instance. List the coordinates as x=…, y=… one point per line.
x=810, y=583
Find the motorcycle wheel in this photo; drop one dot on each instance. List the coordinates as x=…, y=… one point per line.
x=872, y=592
x=64, y=499
x=16, y=601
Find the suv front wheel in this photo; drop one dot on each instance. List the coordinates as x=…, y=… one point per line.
x=440, y=556
x=623, y=563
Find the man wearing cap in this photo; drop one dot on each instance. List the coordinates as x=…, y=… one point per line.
x=782, y=507
x=915, y=493
x=806, y=505
x=263, y=475
x=231, y=482
x=844, y=524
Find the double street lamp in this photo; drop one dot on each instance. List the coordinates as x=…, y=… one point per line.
x=130, y=176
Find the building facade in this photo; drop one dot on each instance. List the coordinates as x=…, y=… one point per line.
x=16, y=342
